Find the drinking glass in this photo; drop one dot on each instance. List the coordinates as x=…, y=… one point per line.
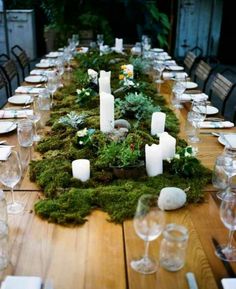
x=159, y=66
x=75, y=39
x=10, y=175
x=177, y=90
x=60, y=70
x=196, y=116
x=227, y=252
x=35, y=117
x=25, y=133
x=52, y=84
x=148, y=224
x=100, y=40
x=220, y=180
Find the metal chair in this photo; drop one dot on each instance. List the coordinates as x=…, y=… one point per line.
x=202, y=74
x=21, y=58
x=220, y=91
x=9, y=71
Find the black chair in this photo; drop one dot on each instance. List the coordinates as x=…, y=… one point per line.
x=202, y=74
x=221, y=89
x=3, y=86
x=21, y=58
x=190, y=62
x=9, y=71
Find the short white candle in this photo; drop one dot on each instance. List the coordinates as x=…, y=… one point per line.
x=158, y=123
x=153, y=160
x=81, y=169
x=106, y=112
x=168, y=144
x=104, y=85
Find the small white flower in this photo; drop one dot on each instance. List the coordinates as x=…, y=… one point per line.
x=87, y=93
x=168, y=160
x=80, y=142
x=186, y=154
x=82, y=132
x=78, y=91
x=177, y=156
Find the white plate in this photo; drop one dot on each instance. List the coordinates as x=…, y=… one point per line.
x=7, y=126
x=230, y=137
x=20, y=99
x=209, y=109
x=157, y=49
x=44, y=65
x=35, y=79
x=54, y=54
x=190, y=85
x=175, y=67
x=229, y=283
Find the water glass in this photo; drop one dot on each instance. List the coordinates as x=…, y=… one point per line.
x=100, y=39
x=173, y=247
x=4, y=247
x=177, y=91
x=25, y=133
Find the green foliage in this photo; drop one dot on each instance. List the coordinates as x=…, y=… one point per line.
x=136, y=105
x=72, y=119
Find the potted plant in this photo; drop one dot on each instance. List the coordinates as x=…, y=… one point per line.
x=124, y=157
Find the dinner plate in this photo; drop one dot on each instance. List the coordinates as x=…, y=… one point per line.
x=35, y=79
x=229, y=137
x=228, y=283
x=54, y=54
x=209, y=109
x=44, y=65
x=175, y=67
x=20, y=99
x=7, y=126
x=157, y=50
x=190, y=85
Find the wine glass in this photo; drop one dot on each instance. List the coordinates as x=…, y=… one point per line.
x=177, y=90
x=52, y=84
x=159, y=66
x=227, y=252
x=35, y=117
x=10, y=175
x=148, y=224
x=196, y=116
x=100, y=39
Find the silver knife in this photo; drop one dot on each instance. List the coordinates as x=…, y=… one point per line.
x=192, y=283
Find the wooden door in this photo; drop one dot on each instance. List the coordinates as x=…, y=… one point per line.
x=198, y=24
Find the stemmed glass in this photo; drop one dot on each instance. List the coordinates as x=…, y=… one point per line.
x=52, y=84
x=177, y=90
x=100, y=40
x=35, y=117
x=196, y=116
x=148, y=224
x=227, y=252
x=10, y=175
x=159, y=66
x=60, y=70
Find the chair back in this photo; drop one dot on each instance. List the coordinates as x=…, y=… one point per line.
x=202, y=74
x=9, y=70
x=220, y=90
x=190, y=61
x=22, y=58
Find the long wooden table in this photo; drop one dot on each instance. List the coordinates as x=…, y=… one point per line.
x=98, y=253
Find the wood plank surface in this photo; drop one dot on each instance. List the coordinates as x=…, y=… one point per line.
x=85, y=257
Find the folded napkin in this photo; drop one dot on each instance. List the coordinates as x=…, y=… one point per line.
x=229, y=283
x=5, y=151
x=37, y=72
x=216, y=124
x=21, y=282
x=169, y=75
x=198, y=96
x=29, y=89
x=118, y=44
x=15, y=113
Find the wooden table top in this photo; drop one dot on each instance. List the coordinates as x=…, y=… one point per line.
x=98, y=253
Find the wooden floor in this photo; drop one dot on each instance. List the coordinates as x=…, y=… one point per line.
x=98, y=254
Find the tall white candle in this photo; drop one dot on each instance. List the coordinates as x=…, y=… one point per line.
x=104, y=85
x=104, y=73
x=153, y=160
x=118, y=44
x=106, y=112
x=158, y=123
x=168, y=144
x=81, y=169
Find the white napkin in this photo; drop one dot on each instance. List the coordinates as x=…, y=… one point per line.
x=229, y=283
x=21, y=282
x=37, y=72
x=175, y=67
x=5, y=151
x=216, y=124
x=15, y=113
x=198, y=96
x=29, y=89
x=169, y=75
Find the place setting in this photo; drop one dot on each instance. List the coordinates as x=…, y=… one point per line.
x=36, y=79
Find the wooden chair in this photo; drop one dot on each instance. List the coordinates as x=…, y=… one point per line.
x=220, y=91
x=189, y=62
x=21, y=58
x=202, y=74
x=9, y=70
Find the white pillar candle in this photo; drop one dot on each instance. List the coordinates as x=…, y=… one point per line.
x=167, y=143
x=104, y=85
x=118, y=44
x=106, y=112
x=153, y=160
x=81, y=169
x=104, y=73
x=158, y=123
